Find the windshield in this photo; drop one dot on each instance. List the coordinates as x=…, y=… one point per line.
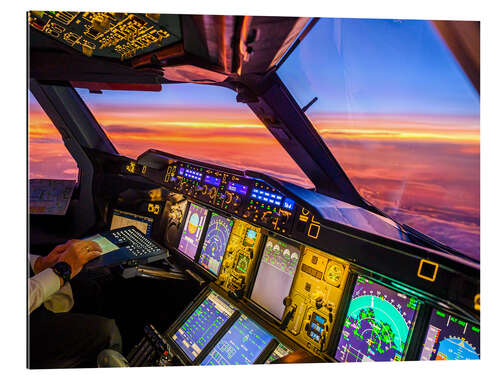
x=400, y=116
x=198, y=122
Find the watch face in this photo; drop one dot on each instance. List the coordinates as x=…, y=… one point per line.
x=63, y=269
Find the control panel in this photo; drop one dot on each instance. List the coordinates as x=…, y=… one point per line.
x=315, y=298
x=239, y=258
x=237, y=229
x=251, y=199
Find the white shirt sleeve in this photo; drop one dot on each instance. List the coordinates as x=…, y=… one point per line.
x=45, y=287
x=41, y=287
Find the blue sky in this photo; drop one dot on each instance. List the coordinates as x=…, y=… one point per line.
x=378, y=67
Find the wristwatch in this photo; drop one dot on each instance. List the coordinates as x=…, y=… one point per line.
x=63, y=270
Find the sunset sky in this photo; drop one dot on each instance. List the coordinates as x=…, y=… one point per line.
x=393, y=106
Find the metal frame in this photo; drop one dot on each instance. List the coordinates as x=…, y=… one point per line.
x=79, y=130
x=286, y=121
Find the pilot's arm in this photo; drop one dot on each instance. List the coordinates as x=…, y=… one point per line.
x=49, y=288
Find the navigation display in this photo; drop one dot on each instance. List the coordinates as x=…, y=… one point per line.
x=277, y=268
x=203, y=325
x=192, y=230
x=241, y=345
x=450, y=338
x=280, y=351
x=214, y=246
x=377, y=325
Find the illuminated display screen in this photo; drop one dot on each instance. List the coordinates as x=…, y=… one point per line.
x=280, y=351
x=203, y=325
x=106, y=245
x=219, y=229
x=242, y=264
x=377, y=325
x=317, y=327
x=123, y=219
x=237, y=188
x=212, y=180
x=277, y=268
x=250, y=238
x=288, y=204
x=193, y=175
x=192, y=230
x=450, y=338
x=266, y=196
x=241, y=345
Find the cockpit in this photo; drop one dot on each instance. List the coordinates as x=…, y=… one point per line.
x=289, y=215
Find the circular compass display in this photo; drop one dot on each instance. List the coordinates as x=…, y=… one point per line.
x=215, y=243
x=377, y=325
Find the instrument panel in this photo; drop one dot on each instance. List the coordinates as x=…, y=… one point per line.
x=315, y=298
x=253, y=200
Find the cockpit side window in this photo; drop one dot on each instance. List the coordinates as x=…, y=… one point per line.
x=48, y=156
x=199, y=122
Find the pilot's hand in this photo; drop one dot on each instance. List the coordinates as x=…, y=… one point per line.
x=78, y=253
x=51, y=258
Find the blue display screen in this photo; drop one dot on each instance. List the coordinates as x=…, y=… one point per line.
x=203, y=325
x=241, y=345
x=288, y=204
x=215, y=243
x=193, y=175
x=450, y=338
x=212, y=180
x=237, y=188
x=267, y=197
x=181, y=171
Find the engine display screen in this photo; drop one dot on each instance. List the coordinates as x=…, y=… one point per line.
x=277, y=268
x=241, y=345
x=192, y=231
x=377, y=325
x=450, y=338
x=214, y=246
x=203, y=325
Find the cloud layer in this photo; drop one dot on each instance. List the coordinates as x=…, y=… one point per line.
x=424, y=172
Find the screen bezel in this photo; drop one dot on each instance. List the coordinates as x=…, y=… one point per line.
x=256, y=268
x=150, y=223
x=263, y=355
x=346, y=301
x=425, y=326
x=204, y=236
x=185, y=316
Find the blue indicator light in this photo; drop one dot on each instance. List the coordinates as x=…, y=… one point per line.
x=194, y=175
x=181, y=172
x=289, y=203
x=320, y=319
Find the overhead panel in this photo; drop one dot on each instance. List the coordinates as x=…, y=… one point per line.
x=106, y=34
